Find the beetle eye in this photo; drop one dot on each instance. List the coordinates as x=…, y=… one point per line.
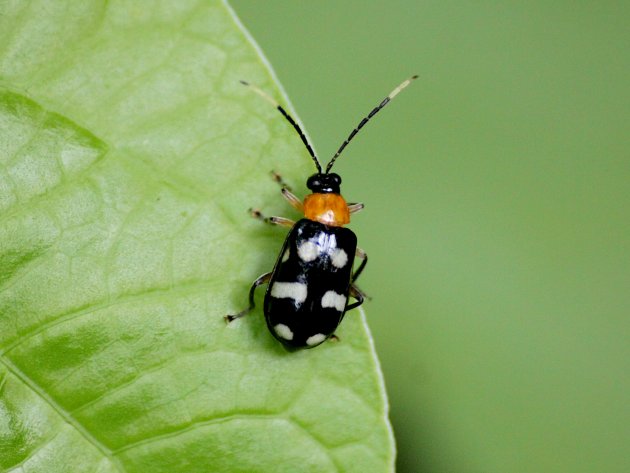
x=313, y=182
x=336, y=178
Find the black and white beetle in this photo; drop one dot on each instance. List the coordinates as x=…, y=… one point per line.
x=313, y=277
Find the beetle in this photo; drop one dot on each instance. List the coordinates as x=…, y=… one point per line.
x=313, y=277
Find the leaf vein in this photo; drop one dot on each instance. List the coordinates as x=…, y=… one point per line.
x=66, y=416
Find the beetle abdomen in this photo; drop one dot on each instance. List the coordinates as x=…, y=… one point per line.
x=308, y=291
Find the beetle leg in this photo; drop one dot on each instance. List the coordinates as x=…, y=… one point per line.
x=264, y=279
x=293, y=200
x=355, y=207
x=284, y=222
x=278, y=178
x=358, y=294
x=362, y=255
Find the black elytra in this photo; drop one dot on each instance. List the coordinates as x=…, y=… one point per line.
x=308, y=291
x=313, y=278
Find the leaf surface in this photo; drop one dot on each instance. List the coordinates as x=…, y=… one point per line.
x=129, y=155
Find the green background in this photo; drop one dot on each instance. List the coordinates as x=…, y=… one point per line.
x=497, y=196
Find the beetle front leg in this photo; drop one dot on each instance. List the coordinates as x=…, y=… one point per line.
x=264, y=279
x=355, y=207
x=290, y=197
x=283, y=222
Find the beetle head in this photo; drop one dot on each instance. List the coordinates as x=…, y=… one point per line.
x=321, y=183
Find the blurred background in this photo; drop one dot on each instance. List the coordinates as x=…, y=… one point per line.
x=497, y=192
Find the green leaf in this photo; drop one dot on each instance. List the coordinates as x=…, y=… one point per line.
x=129, y=154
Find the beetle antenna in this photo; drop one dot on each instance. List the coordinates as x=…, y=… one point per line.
x=289, y=119
x=374, y=111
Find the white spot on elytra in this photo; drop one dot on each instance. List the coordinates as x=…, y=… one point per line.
x=289, y=290
x=283, y=331
x=339, y=258
x=308, y=251
x=332, y=299
x=285, y=256
x=315, y=339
